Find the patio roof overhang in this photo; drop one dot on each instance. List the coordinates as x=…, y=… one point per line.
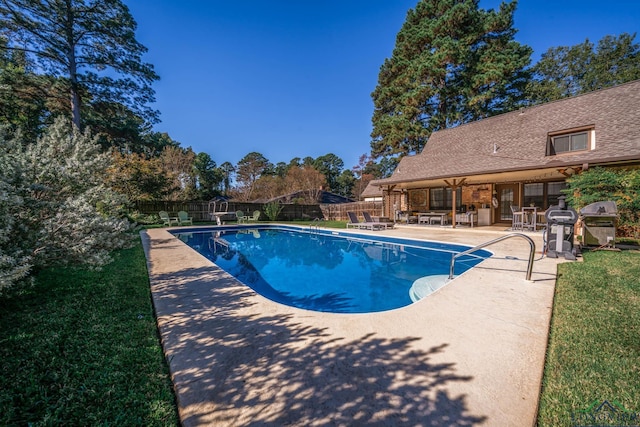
x=553, y=172
x=547, y=174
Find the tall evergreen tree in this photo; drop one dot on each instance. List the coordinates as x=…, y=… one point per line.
x=23, y=94
x=571, y=70
x=227, y=169
x=78, y=40
x=346, y=182
x=208, y=176
x=452, y=63
x=331, y=167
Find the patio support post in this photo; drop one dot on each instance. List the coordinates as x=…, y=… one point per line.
x=454, y=187
x=387, y=206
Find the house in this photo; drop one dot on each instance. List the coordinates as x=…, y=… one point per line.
x=371, y=193
x=521, y=158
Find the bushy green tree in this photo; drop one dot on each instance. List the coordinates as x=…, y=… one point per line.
x=331, y=167
x=346, y=182
x=55, y=206
x=452, y=63
x=619, y=185
x=137, y=177
x=208, y=176
x=571, y=70
x=23, y=94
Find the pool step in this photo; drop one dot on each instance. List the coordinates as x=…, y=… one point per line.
x=427, y=285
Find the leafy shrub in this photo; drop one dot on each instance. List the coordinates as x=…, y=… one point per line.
x=272, y=210
x=619, y=185
x=55, y=207
x=144, y=219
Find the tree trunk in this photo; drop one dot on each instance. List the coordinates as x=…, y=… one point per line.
x=72, y=65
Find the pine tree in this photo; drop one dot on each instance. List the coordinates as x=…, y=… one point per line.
x=452, y=63
x=78, y=40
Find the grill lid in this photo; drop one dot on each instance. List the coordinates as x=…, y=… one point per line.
x=607, y=208
x=557, y=215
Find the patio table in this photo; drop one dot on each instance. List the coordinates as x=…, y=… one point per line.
x=432, y=217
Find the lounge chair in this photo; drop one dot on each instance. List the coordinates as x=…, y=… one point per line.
x=355, y=223
x=367, y=218
x=166, y=219
x=255, y=217
x=184, y=218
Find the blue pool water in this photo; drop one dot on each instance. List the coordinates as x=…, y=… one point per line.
x=327, y=271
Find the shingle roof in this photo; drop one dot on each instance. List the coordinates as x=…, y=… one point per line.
x=371, y=191
x=324, y=197
x=519, y=138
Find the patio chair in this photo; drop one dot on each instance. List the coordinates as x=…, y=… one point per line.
x=367, y=218
x=166, y=219
x=517, y=218
x=240, y=217
x=184, y=218
x=255, y=217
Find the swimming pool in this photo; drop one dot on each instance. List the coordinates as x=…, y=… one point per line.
x=330, y=271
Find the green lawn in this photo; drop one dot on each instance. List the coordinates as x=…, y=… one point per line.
x=594, y=346
x=81, y=347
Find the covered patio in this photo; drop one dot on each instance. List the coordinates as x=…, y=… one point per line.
x=476, y=200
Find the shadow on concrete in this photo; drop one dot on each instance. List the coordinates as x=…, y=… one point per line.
x=234, y=365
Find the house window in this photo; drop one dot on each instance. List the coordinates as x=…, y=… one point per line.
x=568, y=142
x=534, y=194
x=436, y=198
x=554, y=190
x=442, y=198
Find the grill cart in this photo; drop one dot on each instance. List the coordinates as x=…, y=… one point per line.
x=599, y=222
x=559, y=231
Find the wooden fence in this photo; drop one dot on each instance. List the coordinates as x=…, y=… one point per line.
x=338, y=212
x=200, y=211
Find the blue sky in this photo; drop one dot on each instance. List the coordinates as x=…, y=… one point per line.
x=293, y=78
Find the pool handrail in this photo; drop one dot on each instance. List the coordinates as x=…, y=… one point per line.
x=315, y=224
x=499, y=239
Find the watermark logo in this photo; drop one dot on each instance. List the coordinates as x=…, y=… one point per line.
x=605, y=414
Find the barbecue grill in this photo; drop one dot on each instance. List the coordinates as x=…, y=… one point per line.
x=599, y=222
x=559, y=231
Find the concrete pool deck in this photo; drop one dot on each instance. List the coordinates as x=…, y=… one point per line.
x=470, y=354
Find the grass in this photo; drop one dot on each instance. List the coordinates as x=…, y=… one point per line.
x=594, y=344
x=82, y=348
